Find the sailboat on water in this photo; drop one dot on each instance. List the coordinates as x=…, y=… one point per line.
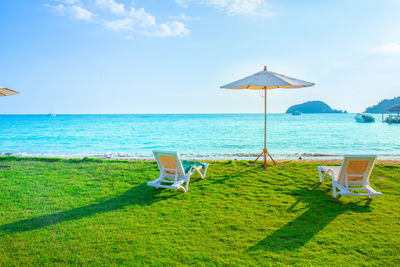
x=51, y=114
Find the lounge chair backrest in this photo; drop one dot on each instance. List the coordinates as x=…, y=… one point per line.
x=356, y=170
x=169, y=163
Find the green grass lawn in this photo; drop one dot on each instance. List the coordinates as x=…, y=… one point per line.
x=94, y=212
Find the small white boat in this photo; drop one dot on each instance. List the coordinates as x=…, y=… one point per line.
x=392, y=119
x=363, y=117
x=51, y=115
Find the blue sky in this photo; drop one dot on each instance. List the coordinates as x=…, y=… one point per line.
x=171, y=56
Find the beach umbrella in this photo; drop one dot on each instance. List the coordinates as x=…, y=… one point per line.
x=6, y=92
x=266, y=80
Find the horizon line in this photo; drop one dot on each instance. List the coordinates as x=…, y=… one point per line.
x=219, y=113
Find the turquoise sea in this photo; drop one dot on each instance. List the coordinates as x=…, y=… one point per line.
x=211, y=136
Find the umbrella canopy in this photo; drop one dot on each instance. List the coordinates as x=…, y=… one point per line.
x=6, y=92
x=395, y=108
x=267, y=80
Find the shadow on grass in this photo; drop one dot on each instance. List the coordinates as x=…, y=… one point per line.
x=141, y=195
x=230, y=176
x=237, y=173
x=322, y=209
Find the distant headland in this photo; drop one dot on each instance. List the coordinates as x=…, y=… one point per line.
x=383, y=106
x=313, y=107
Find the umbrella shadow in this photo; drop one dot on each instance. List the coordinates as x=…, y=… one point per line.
x=140, y=195
x=322, y=209
x=233, y=173
x=230, y=176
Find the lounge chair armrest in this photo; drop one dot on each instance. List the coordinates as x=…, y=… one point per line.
x=198, y=168
x=329, y=172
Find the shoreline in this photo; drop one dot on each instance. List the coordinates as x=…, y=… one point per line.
x=279, y=161
x=197, y=156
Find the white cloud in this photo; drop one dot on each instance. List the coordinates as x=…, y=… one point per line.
x=68, y=2
x=112, y=5
x=74, y=12
x=135, y=17
x=183, y=17
x=182, y=3
x=242, y=7
x=173, y=29
x=80, y=13
x=142, y=22
x=146, y=19
x=57, y=9
x=235, y=7
x=389, y=48
x=114, y=16
x=119, y=25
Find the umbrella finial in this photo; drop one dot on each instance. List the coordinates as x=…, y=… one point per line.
x=265, y=68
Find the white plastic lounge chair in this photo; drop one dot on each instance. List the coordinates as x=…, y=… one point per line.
x=174, y=173
x=352, y=175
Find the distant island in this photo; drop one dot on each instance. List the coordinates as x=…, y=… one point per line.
x=313, y=107
x=383, y=106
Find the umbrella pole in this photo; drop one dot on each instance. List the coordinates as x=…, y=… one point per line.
x=265, y=151
x=265, y=128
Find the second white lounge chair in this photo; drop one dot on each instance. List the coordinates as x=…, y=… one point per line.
x=353, y=174
x=175, y=173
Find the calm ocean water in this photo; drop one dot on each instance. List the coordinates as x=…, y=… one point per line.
x=195, y=136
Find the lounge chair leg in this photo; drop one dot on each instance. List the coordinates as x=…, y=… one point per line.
x=182, y=188
x=205, y=170
x=321, y=179
x=321, y=171
x=187, y=185
x=202, y=175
